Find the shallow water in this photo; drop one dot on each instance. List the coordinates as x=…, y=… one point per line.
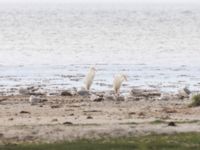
x=55, y=78
x=157, y=46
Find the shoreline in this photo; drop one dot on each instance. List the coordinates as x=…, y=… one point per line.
x=56, y=78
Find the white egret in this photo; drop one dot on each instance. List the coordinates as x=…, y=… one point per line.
x=118, y=80
x=89, y=78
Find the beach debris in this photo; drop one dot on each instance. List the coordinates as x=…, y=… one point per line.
x=38, y=93
x=32, y=88
x=100, y=94
x=109, y=96
x=89, y=117
x=132, y=98
x=55, y=106
x=67, y=123
x=31, y=91
x=24, y=91
x=167, y=96
x=69, y=92
x=54, y=120
x=1, y=135
x=83, y=93
x=93, y=97
x=53, y=94
x=187, y=91
x=74, y=105
x=172, y=124
x=10, y=119
x=132, y=113
x=169, y=110
x=24, y=112
x=96, y=98
x=141, y=114
x=72, y=114
x=184, y=93
x=120, y=98
x=3, y=99
x=28, y=138
x=92, y=111
x=144, y=93
x=66, y=93
x=73, y=90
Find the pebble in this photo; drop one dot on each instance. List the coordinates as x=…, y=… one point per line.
x=172, y=124
x=141, y=114
x=183, y=93
x=67, y=123
x=24, y=112
x=120, y=98
x=132, y=98
x=54, y=120
x=10, y=119
x=55, y=106
x=69, y=92
x=145, y=93
x=24, y=91
x=108, y=97
x=165, y=97
x=83, y=93
x=89, y=117
x=66, y=93
x=31, y=91
x=187, y=91
x=1, y=135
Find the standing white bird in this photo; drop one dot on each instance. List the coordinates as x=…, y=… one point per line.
x=118, y=82
x=89, y=78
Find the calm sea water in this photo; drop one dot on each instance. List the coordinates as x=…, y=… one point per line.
x=52, y=45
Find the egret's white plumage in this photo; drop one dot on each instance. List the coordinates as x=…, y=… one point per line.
x=118, y=80
x=89, y=78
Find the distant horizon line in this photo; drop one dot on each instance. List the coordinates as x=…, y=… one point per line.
x=104, y=1
x=89, y=2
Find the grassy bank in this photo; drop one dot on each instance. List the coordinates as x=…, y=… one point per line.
x=183, y=141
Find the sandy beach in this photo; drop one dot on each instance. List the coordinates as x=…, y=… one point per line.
x=67, y=118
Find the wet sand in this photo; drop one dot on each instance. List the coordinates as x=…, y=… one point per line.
x=66, y=118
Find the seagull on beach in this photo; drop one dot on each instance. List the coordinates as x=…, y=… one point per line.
x=118, y=80
x=34, y=99
x=89, y=78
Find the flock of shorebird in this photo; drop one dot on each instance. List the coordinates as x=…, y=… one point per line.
x=118, y=80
